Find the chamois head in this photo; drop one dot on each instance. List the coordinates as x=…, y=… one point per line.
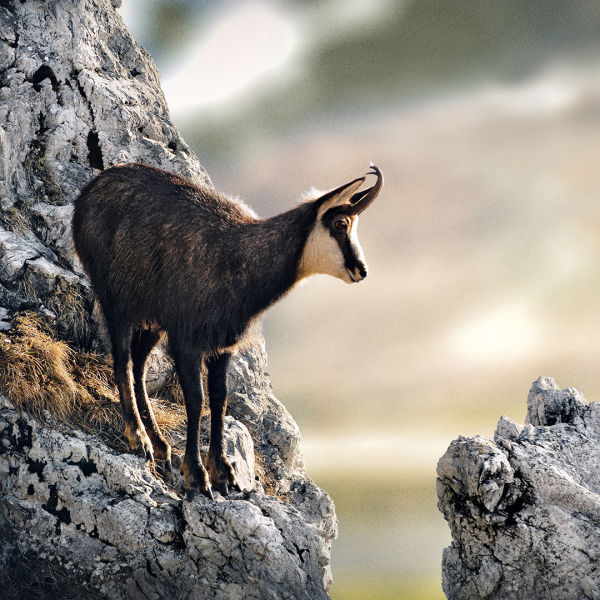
x=332, y=247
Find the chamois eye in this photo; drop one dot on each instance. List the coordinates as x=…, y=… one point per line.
x=340, y=224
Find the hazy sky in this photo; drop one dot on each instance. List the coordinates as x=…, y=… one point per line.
x=247, y=47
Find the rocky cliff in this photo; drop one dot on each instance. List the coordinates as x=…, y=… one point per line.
x=79, y=517
x=524, y=509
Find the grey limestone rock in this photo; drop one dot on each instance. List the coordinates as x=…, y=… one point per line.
x=524, y=509
x=107, y=517
x=77, y=94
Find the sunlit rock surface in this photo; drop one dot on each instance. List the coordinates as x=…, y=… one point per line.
x=74, y=502
x=524, y=509
x=77, y=94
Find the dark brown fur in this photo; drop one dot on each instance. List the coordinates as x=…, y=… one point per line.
x=166, y=255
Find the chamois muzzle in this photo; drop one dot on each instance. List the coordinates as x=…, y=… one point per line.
x=362, y=200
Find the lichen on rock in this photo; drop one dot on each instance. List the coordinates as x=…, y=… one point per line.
x=77, y=512
x=524, y=509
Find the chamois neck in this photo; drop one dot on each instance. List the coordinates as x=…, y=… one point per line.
x=277, y=247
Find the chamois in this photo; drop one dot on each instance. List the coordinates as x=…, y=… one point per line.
x=165, y=255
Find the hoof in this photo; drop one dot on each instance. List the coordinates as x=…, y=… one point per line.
x=162, y=459
x=195, y=479
x=191, y=494
x=140, y=445
x=224, y=487
x=222, y=476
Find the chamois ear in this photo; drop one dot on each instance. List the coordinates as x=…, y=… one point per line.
x=338, y=197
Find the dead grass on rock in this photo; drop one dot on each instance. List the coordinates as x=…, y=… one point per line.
x=72, y=317
x=43, y=376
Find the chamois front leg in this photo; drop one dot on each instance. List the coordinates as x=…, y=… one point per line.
x=137, y=438
x=221, y=472
x=188, y=365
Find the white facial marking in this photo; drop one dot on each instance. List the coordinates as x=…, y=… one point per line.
x=353, y=235
x=321, y=254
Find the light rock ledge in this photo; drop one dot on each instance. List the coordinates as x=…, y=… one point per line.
x=524, y=509
x=106, y=519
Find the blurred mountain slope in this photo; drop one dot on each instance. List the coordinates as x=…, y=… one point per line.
x=358, y=55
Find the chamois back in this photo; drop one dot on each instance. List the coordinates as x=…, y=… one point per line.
x=159, y=249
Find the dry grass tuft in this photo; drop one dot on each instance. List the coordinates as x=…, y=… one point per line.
x=72, y=317
x=172, y=390
x=34, y=369
x=14, y=219
x=42, y=375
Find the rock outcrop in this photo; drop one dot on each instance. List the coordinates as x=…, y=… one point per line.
x=77, y=94
x=524, y=509
x=106, y=519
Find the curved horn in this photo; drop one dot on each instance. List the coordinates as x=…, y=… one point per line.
x=361, y=200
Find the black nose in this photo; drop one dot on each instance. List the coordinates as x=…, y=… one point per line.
x=362, y=269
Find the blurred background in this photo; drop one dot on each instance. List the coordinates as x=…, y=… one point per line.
x=483, y=247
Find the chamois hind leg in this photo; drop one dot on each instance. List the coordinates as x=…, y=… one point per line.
x=188, y=363
x=221, y=472
x=142, y=342
x=137, y=438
